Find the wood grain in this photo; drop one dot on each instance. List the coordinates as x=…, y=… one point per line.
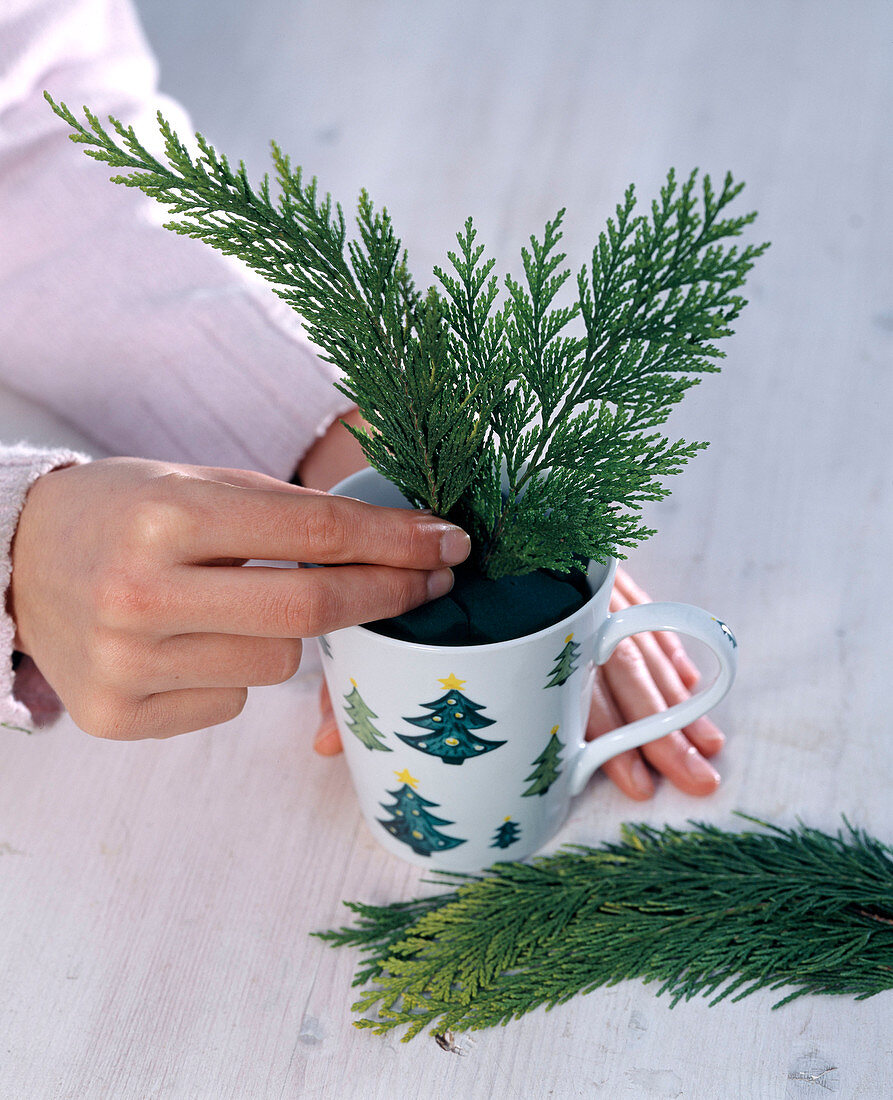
x=157, y=897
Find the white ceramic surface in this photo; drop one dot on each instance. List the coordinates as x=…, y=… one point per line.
x=462, y=755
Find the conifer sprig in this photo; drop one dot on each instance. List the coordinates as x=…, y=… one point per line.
x=542, y=441
x=702, y=911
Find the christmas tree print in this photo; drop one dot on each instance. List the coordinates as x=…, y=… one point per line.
x=507, y=833
x=412, y=823
x=358, y=715
x=564, y=662
x=326, y=648
x=546, y=769
x=453, y=718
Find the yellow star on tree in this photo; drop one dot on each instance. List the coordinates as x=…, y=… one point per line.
x=405, y=777
x=451, y=683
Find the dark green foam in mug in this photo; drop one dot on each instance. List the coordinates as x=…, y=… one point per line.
x=479, y=611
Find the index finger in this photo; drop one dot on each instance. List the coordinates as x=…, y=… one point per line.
x=295, y=524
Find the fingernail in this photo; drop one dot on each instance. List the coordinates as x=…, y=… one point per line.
x=707, y=735
x=439, y=583
x=455, y=545
x=640, y=778
x=699, y=769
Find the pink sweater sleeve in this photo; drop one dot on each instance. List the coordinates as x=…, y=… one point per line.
x=151, y=344
x=25, y=697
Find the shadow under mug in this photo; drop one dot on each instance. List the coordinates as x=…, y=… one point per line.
x=465, y=755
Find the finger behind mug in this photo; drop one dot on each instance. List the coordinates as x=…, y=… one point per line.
x=628, y=592
x=637, y=697
x=327, y=740
x=626, y=770
x=706, y=736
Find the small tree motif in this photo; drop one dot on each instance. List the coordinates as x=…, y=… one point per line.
x=324, y=645
x=453, y=718
x=546, y=769
x=564, y=663
x=411, y=821
x=507, y=833
x=358, y=721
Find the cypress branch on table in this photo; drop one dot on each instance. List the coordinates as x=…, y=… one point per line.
x=701, y=911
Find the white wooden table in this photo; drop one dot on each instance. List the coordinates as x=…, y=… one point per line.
x=156, y=897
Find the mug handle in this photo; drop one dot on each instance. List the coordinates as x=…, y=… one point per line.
x=682, y=618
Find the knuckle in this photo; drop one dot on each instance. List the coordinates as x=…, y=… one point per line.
x=324, y=529
x=307, y=608
x=158, y=516
x=111, y=656
x=628, y=654
x=103, y=717
x=404, y=590
x=125, y=597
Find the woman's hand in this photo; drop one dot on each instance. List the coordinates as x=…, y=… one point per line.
x=646, y=674
x=129, y=594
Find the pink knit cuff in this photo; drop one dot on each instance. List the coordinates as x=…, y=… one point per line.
x=20, y=467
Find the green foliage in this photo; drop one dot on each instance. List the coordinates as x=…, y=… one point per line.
x=359, y=721
x=541, y=442
x=546, y=769
x=703, y=911
x=564, y=664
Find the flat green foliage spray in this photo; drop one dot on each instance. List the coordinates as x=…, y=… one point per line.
x=533, y=425
x=699, y=911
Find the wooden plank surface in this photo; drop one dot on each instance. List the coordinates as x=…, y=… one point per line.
x=157, y=897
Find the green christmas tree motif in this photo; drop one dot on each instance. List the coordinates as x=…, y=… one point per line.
x=358, y=715
x=546, y=769
x=454, y=717
x=411, y=821
x=326, y=648
x=564, y=663
x=507, y=833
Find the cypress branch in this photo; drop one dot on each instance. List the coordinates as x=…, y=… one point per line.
x=701, y=911
x=539, y=440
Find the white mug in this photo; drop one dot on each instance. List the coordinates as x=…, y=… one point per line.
x=465, y=755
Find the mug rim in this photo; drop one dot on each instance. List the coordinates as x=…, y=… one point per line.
x=610, y=566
